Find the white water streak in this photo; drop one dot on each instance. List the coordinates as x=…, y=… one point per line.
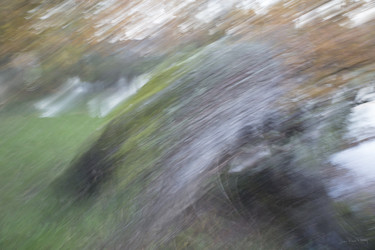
x=103, y=104
x=63, y=99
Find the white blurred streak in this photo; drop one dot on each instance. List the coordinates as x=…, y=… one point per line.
x=358, y=160
x=65, y=6
x=361, y=15
x=64, y=98
x=362, y=122
x=71, y=93
x=258, y=6
x=357, y=16
x=103, y=5
x=213, y=10
x=103, y=104
x=325, y=11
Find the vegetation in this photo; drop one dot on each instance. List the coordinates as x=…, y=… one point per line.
x=33, y=152
x=78, y=182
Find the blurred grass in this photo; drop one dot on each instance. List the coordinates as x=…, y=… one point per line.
x=33, y=152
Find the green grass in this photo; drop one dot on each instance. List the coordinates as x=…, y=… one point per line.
x=33, y=153
x=36, y=152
